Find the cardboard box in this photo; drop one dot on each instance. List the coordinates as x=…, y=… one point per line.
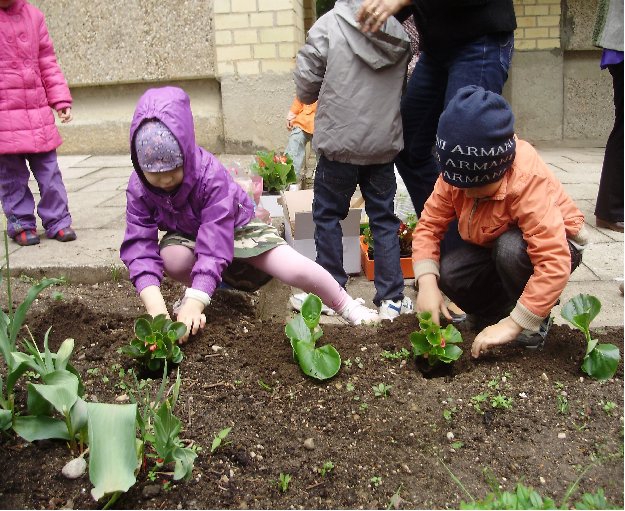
x=299, y=229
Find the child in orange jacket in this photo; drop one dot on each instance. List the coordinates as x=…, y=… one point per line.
x=300, y=121
x=523, y=235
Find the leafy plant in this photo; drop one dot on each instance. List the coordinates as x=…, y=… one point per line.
x=449, y=413
x=375, y=481
x=219, y=439
x=478, y=400
x=304, y=331
x=563, y=404
x=326, y=468
x=608, y=407
x=435, y=343
x=276, y=169
x=155, y=341
x=402, y=354
x=594, y=501
x=601, y=359
x=381, y=390
x=283, y=482
x=404, y=234
x=501, y=401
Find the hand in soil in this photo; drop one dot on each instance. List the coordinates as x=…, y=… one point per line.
x=191, y=314
x=503, y=332
x=430, y=299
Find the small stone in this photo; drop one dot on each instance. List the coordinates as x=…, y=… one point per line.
x=406, y=468
x=75, y=468
x=309, y=444
x=542, y=480
x=581, y=379
x=356, y=417
x=179, y=506
x=151, y=490
x=561, y=435
x=363, y=348
x=522, y=395
x=252, y=454
x=122, y=398
x=243, y=505
x=504, y=379
x=69, y=504
x=224, y=479
x=450, y=435
x=216, y=348
x=245, y=330
x=544, y=377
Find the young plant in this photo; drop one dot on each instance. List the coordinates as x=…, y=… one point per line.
x=219, y=439
x=608, y=407
x=402, y=354
x=375, y=481
x=601, y=359
x=438, y=345
x=478, y=400
x=304, y=331
x=277, y=170
x=563, y=404
x=283, y=482
x=326, y=468
x=155, y=341
x=381, y=390
x=501, y=401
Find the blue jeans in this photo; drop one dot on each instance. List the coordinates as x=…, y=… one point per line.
x=435, y=80
x=489, y=281
x=296, y=148
x=335, y=184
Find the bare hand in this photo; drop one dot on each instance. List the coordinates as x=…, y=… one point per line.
x=501, y=333
x=373, y=13
x=290, y=117
x=65, y=114
x=430, y=299
x=191, y=314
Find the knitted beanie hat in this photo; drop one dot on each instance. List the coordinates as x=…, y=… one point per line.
x=475, y=142
x=157, y=148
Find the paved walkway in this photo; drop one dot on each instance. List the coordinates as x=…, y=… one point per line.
x=96, y=188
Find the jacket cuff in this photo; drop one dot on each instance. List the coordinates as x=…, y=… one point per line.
x=425, y=267
x=205, y=284
x=146, y=280
x=525, y=318
x=61, y=104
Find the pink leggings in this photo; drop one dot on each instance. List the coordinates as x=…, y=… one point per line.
x=282, y=262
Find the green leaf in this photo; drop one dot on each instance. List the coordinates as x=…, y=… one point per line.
x=5, y=419
x=142, y=328
x=311, y=310
x=452, y=352
x=64, y=353
x=420, y=344
x=79, y=415
x=297, y=330
x=40, y=427
x=581, y=310
x=601, y=362
x=184, y=459
x=113, y=449
x=320, y=363
x=60, y=390
x=452, y=335
x=178, y=328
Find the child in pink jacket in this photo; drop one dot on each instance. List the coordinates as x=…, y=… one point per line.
x=31, y=83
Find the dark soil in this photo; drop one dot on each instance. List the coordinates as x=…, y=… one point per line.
x=404, y=438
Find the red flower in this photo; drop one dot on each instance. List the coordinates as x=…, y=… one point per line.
x=443, y=342
x=153, y=347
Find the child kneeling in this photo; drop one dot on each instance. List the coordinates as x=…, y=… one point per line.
x=181, y=188
x=523, y=235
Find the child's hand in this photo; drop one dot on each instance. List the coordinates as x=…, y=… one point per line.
x=191, y=314
x=65, y=114
x=153, y=301
x=503, y=332
x=430, y=299
x=290, y=117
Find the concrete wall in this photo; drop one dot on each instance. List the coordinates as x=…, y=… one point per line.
x=235, y=59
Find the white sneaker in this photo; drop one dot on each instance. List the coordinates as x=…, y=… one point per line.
x=297, y=300
x=391, y=310
x=355, y=313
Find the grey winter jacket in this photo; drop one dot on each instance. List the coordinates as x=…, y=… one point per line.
x=357, y=79
x=608, y=32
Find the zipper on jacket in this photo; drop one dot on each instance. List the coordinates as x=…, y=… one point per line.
x=473, y=208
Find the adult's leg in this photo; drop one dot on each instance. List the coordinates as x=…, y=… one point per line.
x=378, y=187
x=18, y=202
x=610, y=198
x=296, y=149
x=335, y=184
x=52, y=208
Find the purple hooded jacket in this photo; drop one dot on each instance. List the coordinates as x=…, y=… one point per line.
x=207, y=206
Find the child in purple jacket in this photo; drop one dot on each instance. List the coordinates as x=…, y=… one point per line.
x=31, y=85
x=181, y=188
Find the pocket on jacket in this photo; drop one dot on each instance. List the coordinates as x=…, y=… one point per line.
x=493, y=231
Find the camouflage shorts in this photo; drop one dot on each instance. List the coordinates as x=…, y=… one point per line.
x=250, y=240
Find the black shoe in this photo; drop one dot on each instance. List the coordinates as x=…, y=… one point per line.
x=608, y=224
x=535, y=340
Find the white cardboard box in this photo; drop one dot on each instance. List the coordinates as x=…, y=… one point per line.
x=299, y=229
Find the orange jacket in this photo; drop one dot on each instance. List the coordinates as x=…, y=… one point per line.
x=304, y=115
x=529, y=197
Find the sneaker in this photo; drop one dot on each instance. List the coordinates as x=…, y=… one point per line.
x=535, y=340
x=66, y=234
x=391, y=310
x=26, y=238
x=355, y=313
x=297, y=300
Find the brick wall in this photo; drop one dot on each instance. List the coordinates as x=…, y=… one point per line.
x=257, y=36
x=538, y=24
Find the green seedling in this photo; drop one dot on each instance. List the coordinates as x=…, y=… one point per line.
x=381, y=390
x=601, y=359
x=350, y=387
x=402, y=354
x=219, y=439
x=116, y=272
x=438, y=345
x=478, y=400
x=375, y=481
x=501, y=401
x=283, y=482
x=155, y=341
x=563, y=404
x=359, y=363
x=347, y=363
x=326, y=468
x=449, y=413
x=264, y=386
x=457, y=445
x=304, y=331
x=363, y=407
x=57, y=296
x=608, y=406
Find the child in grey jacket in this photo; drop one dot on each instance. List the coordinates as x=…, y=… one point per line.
x=357, y=80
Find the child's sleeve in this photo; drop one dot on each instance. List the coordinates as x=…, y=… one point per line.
x=139, y=251
x=296, y=107
x=311, y=63
x=57, y=91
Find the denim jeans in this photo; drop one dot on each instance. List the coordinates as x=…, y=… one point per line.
x=488, y=281
x=296, y=148
x=335, y=184
x=435, y=80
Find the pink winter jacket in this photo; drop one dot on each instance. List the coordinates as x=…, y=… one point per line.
x=31, y=82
